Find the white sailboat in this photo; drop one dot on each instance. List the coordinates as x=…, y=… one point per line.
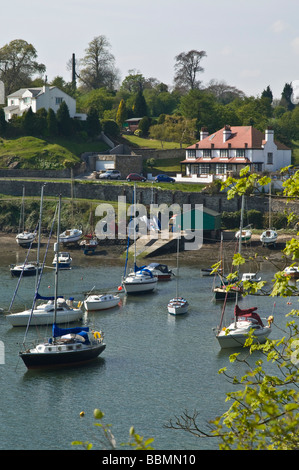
x=269, y=236
x=245, y=320
x=178, y=305
x=67, y=346
x=24, y=238
x=70, y=236
x=43, y=314
x=95, y=302
x=138, y=281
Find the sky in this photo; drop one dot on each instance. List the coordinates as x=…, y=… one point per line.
x=249, y=44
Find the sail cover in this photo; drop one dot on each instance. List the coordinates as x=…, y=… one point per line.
x=57, y=331
x=248, y=313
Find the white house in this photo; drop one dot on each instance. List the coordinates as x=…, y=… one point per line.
x=37, y=98
x=232, y=148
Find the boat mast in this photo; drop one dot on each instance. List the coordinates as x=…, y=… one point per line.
x=39, y=231
x=240, y=244
x=56, y=251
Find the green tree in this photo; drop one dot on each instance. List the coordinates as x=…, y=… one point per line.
x=286, y=97
x=3, y=123
x=93, y=125
x=52, y=124
x=63, y=120
x=121, y=114
x=18, y=65
x=140, y=108
x=29, y=122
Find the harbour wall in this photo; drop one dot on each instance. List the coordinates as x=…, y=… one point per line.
x=101, y=191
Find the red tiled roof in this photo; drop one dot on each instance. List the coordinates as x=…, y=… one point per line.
x=240, y=135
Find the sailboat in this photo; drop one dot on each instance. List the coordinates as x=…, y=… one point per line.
x=140, y=280
x=43, y=314
x=245, y=320
x=269, y=236
x=178, y=305
x=67, y=346
x=221, y=292
x=24, y=237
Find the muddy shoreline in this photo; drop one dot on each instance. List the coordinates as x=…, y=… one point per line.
x=115, y=250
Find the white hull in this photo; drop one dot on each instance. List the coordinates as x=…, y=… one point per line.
x=25, y=238
x=101, y=302
x=43, y=316
x=245, y=236
x=269, y=237
x=138, y=283
x=236, y=337
x=178, y=306
x=70, y=236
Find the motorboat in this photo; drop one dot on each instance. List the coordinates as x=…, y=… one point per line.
x=161, y=271
x=101, y=302
x=223, y=293
x=178, y=306
x=292, y=272
x=269, y=237
x=89, y=245
x=246, y=320
x=251, y=277
x=43, y=314
x=25, y=238
x=25, y=269
x=139, y=282
x=64, y=259
x=70, y=236
x=245, y=235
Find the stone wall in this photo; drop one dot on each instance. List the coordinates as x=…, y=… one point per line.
x=101, y=191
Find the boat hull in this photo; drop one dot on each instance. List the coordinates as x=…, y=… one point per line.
x=18, y=270
x=101, y=304
x=177, y=306
x=234, y=340
x=34, y=360
x=43, y=318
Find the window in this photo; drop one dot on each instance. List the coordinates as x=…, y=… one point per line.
x=223, y=153
x=270, y=158
x=240, y=153
x=191, y=153
x=58, y=100
x=258, y=167
x=220, y=169
x=207, y=153
x=204, y=169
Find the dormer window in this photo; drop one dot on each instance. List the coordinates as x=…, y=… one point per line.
x=191, y=153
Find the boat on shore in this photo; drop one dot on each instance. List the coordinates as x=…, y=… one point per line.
x=70, y=236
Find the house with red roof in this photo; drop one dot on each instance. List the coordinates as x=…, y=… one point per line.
x=232, y=148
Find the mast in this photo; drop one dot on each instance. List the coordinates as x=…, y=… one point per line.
x=39, y=231
x=135, y=227
x=56, y=251
x=240, y=245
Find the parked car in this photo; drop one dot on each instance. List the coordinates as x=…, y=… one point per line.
x=164, y=179
x=110, y=175
x=135, y=177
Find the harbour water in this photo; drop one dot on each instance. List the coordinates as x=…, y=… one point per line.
x=155, y=366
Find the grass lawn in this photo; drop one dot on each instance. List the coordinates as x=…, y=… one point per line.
x=135, y=141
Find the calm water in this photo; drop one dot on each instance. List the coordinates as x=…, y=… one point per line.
x=154, y=367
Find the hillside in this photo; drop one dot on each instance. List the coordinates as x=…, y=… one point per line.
x=33, y=153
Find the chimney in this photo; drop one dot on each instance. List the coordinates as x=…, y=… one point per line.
x=269, y=135
x=203, y=133
x=226, y=133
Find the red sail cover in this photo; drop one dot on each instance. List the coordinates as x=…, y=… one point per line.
x=248, y=313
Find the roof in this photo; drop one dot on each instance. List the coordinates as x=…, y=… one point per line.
x=240, y=160
x=240, y=135
x=34, y=90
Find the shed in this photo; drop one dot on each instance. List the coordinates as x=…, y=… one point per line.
x=206, y=219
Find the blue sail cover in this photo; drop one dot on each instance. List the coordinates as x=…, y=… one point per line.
x=79, y=330
x=41, y=297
